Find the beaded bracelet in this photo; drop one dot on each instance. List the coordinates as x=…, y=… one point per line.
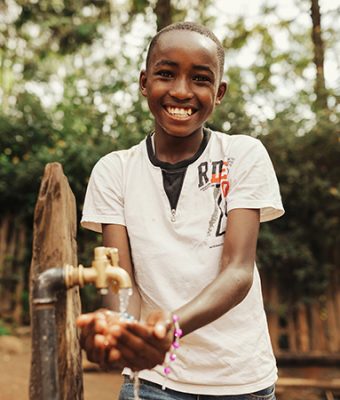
x=171, y=355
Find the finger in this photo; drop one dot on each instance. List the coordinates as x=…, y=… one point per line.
x=114, y=355
x=159, y=316
x=139, y=329
x=115, y=360
x=100, y=323
x=84, y=319
x=86, y=335
x=112, y=316
x=95, y=354
x=126, y=338
x=137, y=351
x=161, y=323
x=161, y=342
x=148, y=358
x=160, y=330
x=100, y=341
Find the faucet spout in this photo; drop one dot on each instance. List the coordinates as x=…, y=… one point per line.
x=103, y=273
x=119, y=278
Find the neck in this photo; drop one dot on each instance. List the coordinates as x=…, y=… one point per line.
x=173, y=149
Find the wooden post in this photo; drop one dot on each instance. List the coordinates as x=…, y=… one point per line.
x=317, y=329
x=54, y=245
x=332, y=322
x=291, y=328
x=302, y=323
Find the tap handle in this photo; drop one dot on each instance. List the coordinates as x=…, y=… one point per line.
x=113, y=256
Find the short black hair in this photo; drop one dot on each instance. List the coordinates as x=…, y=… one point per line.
x=194, y=27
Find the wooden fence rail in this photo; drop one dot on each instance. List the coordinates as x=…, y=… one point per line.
x=310, y=328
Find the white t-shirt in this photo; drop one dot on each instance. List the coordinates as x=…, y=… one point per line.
x=175, y=258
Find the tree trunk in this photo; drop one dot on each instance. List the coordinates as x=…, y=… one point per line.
x=163, y=11
x=319, y=55
x=54, y=245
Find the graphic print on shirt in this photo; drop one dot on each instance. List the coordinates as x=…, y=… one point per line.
x=214, y=175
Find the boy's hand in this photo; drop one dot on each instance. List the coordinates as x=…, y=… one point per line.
x=112, y=343
x=142, y=346
x=93, y=337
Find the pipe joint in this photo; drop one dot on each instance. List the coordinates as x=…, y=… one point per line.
x=47, y=284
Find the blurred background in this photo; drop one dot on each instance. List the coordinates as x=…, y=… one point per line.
x=69, y=93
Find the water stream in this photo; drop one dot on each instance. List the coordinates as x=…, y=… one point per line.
x=124, y=295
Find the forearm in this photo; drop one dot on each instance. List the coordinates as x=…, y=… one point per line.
x=232, y=284
x=117, y=236
x=220, y=296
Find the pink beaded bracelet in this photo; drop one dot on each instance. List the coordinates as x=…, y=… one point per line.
x=171, y=355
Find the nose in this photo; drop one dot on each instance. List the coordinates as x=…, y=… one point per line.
x=181, y=89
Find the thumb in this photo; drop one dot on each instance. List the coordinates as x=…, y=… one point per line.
x=160, y=321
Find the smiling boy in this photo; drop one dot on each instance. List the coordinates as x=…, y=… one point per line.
x=184, y=207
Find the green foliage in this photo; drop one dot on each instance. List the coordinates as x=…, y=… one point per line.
x=301, y=248
x=30, y=141
x=4, y=329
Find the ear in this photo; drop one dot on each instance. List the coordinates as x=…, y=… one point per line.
x=142, y=82
x=221, y=91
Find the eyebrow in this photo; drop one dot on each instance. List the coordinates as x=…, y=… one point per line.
x=175, y=64
x=166, y=62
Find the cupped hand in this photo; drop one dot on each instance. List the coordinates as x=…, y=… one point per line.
x=93, y=337
x=142, y=345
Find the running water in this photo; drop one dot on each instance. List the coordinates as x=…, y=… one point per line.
x=124, y=297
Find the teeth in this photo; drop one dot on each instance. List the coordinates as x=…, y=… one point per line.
x=179, y=112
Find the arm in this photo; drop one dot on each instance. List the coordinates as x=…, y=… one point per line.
x=227, y=290
x=144, y=346
x=236, y=277
x=94, y=326
x=117, y=236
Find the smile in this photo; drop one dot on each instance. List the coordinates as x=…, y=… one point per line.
x=179, y=112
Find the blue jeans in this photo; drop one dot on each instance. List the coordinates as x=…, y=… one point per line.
x=152, y=391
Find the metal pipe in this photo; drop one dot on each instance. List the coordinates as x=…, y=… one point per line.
x=104, y=272
x=45, y=290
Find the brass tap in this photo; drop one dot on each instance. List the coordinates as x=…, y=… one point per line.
x=104, y=272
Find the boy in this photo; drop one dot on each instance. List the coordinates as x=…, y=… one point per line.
x=184, y=207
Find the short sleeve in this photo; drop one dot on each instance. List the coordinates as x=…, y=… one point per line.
x=104, y=200
x=252, y=179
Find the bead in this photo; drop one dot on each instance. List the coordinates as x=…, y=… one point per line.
x=175, y=345
x=167, y=370
x=178, y=332
x=175, y=318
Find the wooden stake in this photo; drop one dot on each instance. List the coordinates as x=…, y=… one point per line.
x=54, y=245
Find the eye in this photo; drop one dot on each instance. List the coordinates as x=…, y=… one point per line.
x=201, y=78
x=164, y=73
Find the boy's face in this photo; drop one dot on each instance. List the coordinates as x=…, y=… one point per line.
x=182, y=82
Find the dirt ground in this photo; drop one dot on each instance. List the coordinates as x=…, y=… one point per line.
x=15, y=366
